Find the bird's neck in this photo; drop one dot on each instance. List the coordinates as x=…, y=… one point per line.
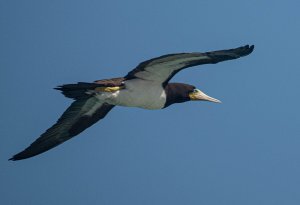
x=175, y=94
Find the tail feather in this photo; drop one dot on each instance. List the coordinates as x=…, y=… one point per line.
x=80, y=90
x=77, y=91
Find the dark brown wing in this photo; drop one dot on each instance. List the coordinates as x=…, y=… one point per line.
x=163, y=68
x=82, y=114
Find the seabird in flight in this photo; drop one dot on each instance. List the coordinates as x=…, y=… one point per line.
x=147, y=86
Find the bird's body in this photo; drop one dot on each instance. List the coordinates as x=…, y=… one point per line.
x=137, y=93
x=147, y=86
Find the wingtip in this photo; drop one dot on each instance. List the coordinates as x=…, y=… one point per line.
x=58, y=88
x=12, y=159
x=20, y=156
x=250, y=48
x=246, y=50
x=15, y=158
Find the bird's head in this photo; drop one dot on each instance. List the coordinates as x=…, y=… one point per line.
x=179, y=92
x=197, y=94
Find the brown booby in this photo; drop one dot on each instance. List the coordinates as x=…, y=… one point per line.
x=147, y=86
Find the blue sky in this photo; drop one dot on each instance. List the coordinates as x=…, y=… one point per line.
x=243, y=151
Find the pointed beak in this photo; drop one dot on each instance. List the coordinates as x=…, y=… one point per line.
x=199, y=95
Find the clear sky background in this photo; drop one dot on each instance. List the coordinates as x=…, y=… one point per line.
x=244, y=151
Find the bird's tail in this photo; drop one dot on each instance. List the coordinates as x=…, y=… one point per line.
x=77, y=91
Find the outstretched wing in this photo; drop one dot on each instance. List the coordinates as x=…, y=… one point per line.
x=163, y=68
x=82, y=114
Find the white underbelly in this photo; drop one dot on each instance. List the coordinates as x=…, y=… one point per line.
x=138, y=93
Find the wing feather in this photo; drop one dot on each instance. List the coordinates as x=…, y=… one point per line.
x=163, y=68
x=80, y=115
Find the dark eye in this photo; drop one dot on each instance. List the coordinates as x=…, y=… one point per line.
x=195, y=90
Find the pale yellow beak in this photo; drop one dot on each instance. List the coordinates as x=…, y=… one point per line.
x=199, y=95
